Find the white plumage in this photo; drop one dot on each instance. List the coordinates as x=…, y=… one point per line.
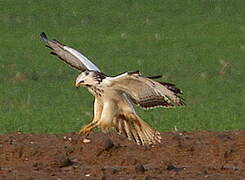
x=114, y=96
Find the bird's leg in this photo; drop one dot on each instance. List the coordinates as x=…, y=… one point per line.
x=97, y=113
x=87, y=128
x=106, y=119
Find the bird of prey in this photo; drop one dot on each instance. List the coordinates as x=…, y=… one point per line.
x=115, y=96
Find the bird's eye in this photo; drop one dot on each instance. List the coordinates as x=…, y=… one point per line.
x=86, y=73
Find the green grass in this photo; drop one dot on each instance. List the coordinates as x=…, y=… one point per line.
x=187, y=41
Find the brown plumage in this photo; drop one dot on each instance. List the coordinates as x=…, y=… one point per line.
x=149, y=93
x=68, y=55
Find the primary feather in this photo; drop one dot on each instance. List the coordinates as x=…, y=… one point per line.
x=69, y=55
x=146, y=92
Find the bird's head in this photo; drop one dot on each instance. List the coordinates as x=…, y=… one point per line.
x=89, y=78
x=85, y=79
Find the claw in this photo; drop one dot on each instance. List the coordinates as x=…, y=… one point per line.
x=86, y=130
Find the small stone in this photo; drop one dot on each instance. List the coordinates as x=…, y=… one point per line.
x=86, y=140
x=64, y=162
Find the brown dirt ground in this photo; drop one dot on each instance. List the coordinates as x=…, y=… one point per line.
x=181, y=155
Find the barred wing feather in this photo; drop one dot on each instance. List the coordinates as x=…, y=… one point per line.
x=146, y=92
x=69, y=55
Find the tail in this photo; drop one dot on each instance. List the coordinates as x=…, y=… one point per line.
x=134, y=128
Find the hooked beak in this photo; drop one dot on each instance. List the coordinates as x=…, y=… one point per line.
x=78, y=83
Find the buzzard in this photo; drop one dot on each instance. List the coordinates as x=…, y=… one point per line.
x=115, y=96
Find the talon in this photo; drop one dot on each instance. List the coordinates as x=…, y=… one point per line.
x=86, y=131
x=87, y=128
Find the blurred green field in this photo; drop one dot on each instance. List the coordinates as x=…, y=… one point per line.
x=197, y=44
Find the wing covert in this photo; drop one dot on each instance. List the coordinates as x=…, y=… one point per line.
x=146, y=92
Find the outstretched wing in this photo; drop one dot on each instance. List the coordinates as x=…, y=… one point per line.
x=146, y=92
x=69, y=55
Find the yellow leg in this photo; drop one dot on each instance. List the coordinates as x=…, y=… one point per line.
x=88, y=128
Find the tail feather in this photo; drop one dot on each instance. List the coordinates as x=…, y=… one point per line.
x=119, y=127
x=127, y=130
x=137, y=137
x=136, y=129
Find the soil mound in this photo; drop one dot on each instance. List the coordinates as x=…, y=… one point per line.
x=181, y=155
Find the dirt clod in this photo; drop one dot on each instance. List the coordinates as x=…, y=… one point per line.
x=108, y=145
x=139, y=169
x=149, y=177
x=171, y=167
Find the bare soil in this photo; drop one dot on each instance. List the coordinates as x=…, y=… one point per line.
x=181, y=155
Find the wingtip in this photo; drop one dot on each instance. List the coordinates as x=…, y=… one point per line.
x=134, y=72
x=43, y=36
x=155, y=77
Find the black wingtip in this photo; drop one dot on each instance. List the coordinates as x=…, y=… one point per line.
x=53, y=53
x=134, y=72
x=171, y=87
x=57, y=42
x=43, y=36
x=154, y=77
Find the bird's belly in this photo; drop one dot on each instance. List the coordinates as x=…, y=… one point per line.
x=105, y=124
